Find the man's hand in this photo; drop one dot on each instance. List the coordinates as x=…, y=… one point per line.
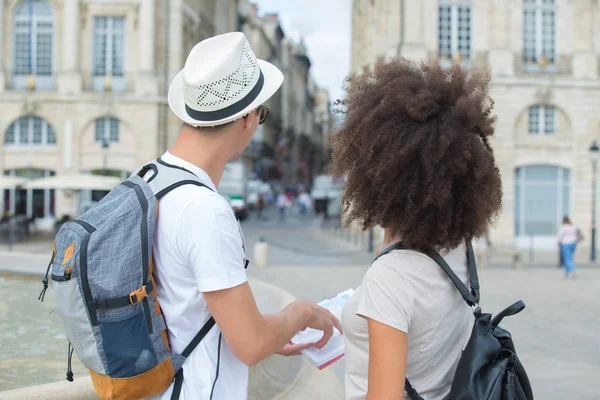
x=325, y=321
x=252, y=336
x=291, y=349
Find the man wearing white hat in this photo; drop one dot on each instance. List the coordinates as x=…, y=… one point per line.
x=199, y=249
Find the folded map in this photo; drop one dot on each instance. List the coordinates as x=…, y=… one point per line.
x=335, y=348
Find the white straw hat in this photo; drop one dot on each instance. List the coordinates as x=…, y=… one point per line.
x=222, y=81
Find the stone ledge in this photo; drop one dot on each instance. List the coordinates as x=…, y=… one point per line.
x=79, y=389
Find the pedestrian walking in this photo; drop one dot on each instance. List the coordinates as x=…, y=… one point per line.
x=282, y=204
x=568, y=237
x=305, y=202
x=260, y=205
x=414, y=150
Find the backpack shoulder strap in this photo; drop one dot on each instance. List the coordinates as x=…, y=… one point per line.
x=472, y=296
x=166, y=177
x=473, y=277
x=178, y=378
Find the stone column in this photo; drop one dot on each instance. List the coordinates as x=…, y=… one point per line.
x=70, y=75
x=29, y=203
x=2, y=48
x=500, y=56
x=414, y=17
x=584, y=61
x=13, y=197
x=176, y=56
x=147, y=35
x=146, y=81
x=70, y=34
x=68, y=145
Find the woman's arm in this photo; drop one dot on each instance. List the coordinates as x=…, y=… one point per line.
x=388, y=349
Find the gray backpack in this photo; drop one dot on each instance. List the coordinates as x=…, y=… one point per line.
x=105, y=291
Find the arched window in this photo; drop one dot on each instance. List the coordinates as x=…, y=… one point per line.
x=30, y=131
x=107, y=129
x=542, y=120
x=542, y=199
x=33, y=39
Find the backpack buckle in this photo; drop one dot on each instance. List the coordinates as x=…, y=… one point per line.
x=138, y=295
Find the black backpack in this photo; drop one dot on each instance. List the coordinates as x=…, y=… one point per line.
x=489, y=368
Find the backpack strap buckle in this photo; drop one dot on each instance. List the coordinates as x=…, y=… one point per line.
x=138, y=295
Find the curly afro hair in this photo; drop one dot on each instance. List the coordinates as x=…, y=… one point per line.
x=413, y=147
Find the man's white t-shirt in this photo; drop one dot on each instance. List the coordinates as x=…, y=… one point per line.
x=198, y=247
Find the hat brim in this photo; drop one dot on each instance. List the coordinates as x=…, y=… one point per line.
x=273, y=80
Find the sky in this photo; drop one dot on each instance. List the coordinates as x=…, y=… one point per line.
x=325, y=26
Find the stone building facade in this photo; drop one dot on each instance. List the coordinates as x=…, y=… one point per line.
x=83, y=87
x=543, y=55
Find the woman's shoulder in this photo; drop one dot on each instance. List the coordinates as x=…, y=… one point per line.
x=412, y=265
x=398, y=264
x=411, y=258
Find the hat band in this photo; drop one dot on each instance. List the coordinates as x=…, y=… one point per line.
x=229, y=110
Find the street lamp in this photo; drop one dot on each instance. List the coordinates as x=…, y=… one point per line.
x=105, y=146
x=594, y=156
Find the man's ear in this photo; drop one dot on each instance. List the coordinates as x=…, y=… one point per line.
x=249, y=119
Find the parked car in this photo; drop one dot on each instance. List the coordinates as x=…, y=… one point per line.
x=325, y=190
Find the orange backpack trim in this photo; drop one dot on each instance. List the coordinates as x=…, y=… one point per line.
x=148, y=384
x=69, y=253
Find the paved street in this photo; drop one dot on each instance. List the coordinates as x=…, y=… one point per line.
x=556, y=335
x=299, y=240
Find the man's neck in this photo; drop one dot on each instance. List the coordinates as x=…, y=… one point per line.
x=208, y=153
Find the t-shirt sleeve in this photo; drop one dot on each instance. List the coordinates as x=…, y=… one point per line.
x=216, y=252
x=386, y=297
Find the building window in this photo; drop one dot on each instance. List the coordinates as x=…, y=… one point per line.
x=30, y=131
x=109, y=52
x=107, y=129
x=454, y=30
x=33, y=50
x=542, y=199
x=539, y=32
x=542, y=120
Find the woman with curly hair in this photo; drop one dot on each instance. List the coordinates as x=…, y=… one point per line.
x=414, y=150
